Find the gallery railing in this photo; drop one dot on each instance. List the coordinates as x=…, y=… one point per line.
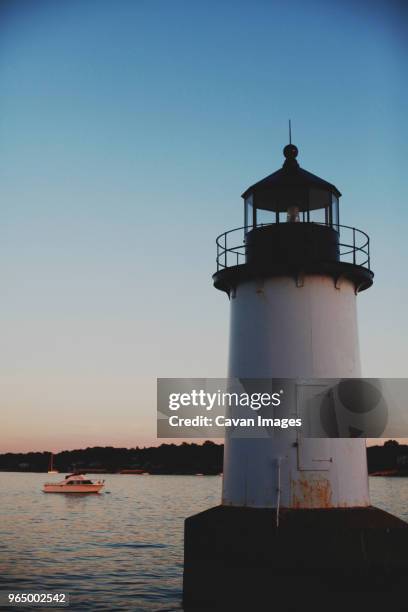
x=354, y=245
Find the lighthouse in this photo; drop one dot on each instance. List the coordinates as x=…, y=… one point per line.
x=293, y=315
x=295, y=511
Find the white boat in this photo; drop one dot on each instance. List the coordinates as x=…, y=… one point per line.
x=74, y=483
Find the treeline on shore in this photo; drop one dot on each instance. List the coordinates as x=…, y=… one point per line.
x=182, y=458
x=185, y=458
x=390, y=459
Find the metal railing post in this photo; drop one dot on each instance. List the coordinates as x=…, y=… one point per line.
x=368, y=253
x=354, y=245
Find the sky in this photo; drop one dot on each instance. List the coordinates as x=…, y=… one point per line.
x=128, y=131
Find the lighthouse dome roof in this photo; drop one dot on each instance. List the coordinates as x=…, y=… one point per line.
x=291, y=184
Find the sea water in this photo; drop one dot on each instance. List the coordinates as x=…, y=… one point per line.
x=121, y=549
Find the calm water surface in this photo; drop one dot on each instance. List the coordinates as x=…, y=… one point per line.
x=123, y=549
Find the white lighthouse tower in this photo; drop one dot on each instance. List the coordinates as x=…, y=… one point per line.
x=295, y=512
x=293, y=315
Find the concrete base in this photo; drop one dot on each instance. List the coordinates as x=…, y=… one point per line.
x=237, y=558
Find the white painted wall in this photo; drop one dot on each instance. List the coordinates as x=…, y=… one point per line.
x=281, y=330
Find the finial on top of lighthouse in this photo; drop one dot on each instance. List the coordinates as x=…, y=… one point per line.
x=290, y=151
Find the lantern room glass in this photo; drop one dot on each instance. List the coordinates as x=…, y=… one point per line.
x=335, y=219
x=249, y=214
x=326, y=212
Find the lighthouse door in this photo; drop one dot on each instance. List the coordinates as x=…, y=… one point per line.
x=313, y=453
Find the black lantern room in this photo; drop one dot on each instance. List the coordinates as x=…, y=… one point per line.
x=291, y=194
x=292, y=226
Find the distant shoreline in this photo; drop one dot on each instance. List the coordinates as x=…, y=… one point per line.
x=390, y=459
x=113, y=473
x=171, y=459
x=382, y=474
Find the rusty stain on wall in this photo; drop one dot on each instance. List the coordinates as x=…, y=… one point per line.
x=311, y=493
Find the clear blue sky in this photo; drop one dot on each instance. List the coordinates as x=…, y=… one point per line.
x=128, y=131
